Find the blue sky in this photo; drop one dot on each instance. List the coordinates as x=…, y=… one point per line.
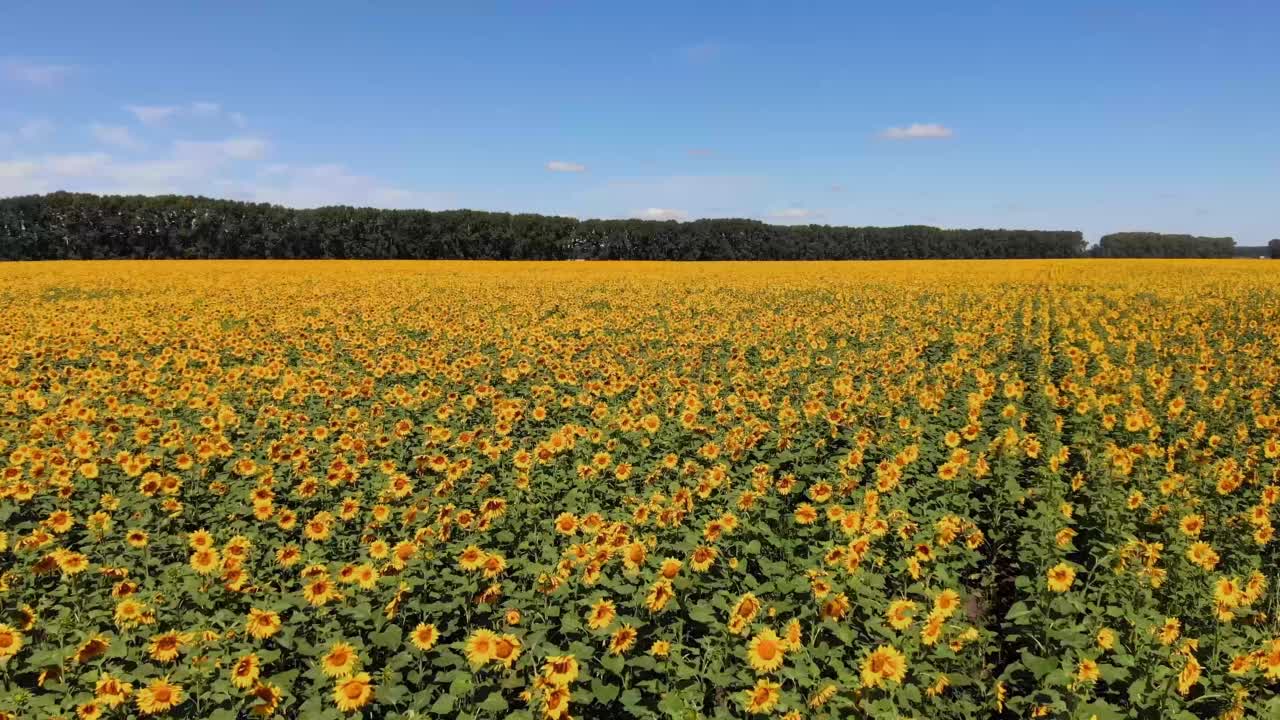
x=1099, y=116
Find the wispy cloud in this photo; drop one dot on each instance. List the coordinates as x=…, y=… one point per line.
x=917, y=131
x=334, y=184
x=117, y=136
x=34, y=130
x=795, y=215
x=35, y=74
x=233, y=168
x=153, y=114
x=239, y=148
x=563, y=166
x=661, y=214
x=203, y=109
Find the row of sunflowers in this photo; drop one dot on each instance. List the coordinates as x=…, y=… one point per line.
x=552, y=490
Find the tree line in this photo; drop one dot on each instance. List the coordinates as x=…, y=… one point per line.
x=74, y=225
x=65, y=225
x=1149, y=244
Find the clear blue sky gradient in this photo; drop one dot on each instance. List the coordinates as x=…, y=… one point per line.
x=1100, y=116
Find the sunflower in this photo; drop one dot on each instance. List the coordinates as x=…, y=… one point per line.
x=1203, y=554
x=899, y=614
x=622, y=640
x=633, y=556
x=560, y=670
x=932, y=629
x=136, y=538
x=205, y=562
x=1189, y=676
x=762, y=698
x=340, y=661
x=244, y=674
x=702, y=559
x=159, y=696
x=506, y=650
x=91, y=710
x=660, y=648
x=471, y=559
x=424, y=636
x=556, y=704
x=10, y=641
x=766, y=651
x=566, y=523
x=267, y=699
x=823, y=695
x=1106, y=638
x=72, y=563
x=947, y=602
x=884, y=663
x=1227, y=592
x=319, y=591
x=165, y=647
x=794, y=635
x=1087, y=671
x=111, y=692
x=659, y=595
x=353, y=693
x=262, y=624
x=1060, y=577
x=200, y=540
x=94, y=647
x=601, y=614
x=481, y=647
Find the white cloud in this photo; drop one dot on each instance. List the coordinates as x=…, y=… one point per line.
x=793, y=214
x=661, y=214
x=17, y=170
x=205, y=109
x=562, y=166
x=238, y=148
x=77, y=164
x=116, y=136
x=153, y=114
x=917, y=131
x=227, y=168
x=34, y=130
x=42, y=75
x=333, y=184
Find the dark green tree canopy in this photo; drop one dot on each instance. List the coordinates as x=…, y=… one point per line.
x=82, y=226
x=1150, y=244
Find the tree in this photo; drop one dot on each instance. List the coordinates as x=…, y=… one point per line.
x=76, y=225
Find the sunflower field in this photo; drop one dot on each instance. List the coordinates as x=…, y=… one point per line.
x=934, y=489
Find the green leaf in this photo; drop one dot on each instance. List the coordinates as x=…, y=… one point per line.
x=604, y=692
x=442, y=705
x=494, y=702
x=390, y=637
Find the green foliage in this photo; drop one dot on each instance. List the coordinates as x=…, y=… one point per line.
x=1149, y=244
x=80, y=226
